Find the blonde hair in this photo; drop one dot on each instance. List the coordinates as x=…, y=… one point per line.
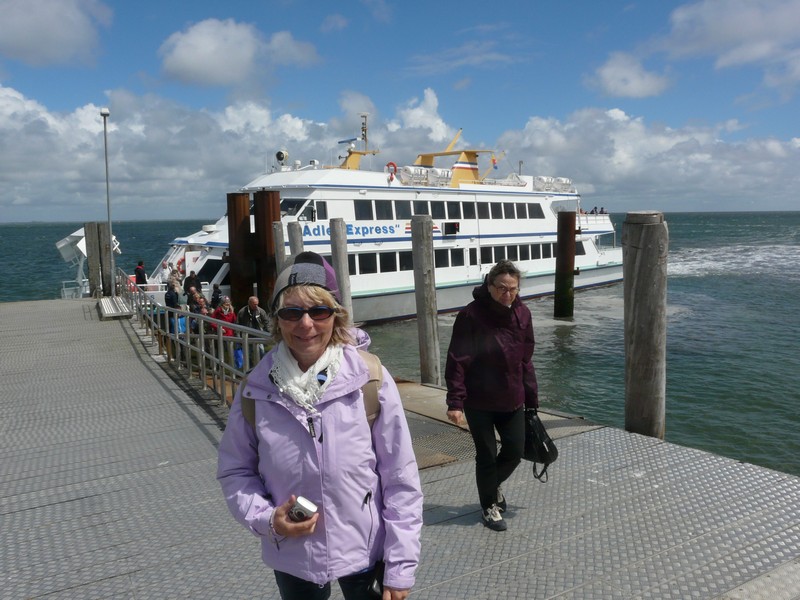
x=317, y=296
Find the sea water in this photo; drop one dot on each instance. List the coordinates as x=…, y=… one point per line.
x=733, y=330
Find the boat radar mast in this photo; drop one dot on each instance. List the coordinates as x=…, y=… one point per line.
x=353, y=159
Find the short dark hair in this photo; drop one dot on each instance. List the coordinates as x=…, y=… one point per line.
x=141, y=262
x=503, y=267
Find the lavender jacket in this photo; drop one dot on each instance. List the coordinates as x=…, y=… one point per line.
x=365, y=483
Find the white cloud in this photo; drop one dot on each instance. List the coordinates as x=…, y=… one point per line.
x=737, y=33
x=212, y=52
x=283, y=49
x=48, y=32
x=623, y=76
x=171, y=162
x=334, y=22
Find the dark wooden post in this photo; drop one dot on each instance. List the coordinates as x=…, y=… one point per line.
x=266, y=210
x=241, y=264
x=564, y=302
x=425, y=292
x=645, y=242
x=92, y=241
x=106, y=266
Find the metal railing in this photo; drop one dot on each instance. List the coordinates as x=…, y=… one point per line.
x=197, y=342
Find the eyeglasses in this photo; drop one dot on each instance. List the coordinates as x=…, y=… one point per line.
x=317, y=313
x=505, y=290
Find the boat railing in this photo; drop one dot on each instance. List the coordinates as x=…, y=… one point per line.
x=196, y=344
x=73, y=288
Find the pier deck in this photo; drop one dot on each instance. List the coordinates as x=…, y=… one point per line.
x=107, y=490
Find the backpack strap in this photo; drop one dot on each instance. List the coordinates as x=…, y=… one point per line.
x=372, y=405
x=370, y=390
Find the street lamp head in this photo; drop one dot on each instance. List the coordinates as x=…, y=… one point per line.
x=104, y=112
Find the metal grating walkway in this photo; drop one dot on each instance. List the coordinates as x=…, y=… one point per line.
x=107, y=490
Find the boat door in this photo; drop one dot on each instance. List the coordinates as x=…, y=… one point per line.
x=191, y=259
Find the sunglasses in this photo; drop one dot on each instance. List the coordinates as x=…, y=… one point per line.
x=317, y=313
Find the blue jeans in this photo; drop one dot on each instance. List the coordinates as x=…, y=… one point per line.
x=493, y=468
x=354, y=587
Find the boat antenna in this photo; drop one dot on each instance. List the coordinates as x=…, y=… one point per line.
x=364, y=130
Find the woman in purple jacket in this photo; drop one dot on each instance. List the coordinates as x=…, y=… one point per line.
x=491, y=379
x=311, y=438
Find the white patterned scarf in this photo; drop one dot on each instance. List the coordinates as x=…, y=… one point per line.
x=305, y=389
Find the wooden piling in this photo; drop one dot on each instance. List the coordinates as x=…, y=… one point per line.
x=339, y=263
x=645, y=242
x=280, y=244
x=425, y=294
x=295, y=231
x=266, y=210
x=92, y=241
x=241, y=264
x=564, y=301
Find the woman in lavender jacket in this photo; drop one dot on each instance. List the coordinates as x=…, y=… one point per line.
x=311, y=438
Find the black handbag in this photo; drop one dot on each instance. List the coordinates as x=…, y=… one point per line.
x=539, y=448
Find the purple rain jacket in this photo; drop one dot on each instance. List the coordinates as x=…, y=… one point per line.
x=370, y=500
x=489, y=361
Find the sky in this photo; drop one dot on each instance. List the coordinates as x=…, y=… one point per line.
x=670, y=106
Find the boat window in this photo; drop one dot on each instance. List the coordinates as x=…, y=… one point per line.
x=437, y=209
x=388, y=262
x=525, y=252
x=351, y=264
x=308, y=213
x=512, y=253
x=497, y=210
x=473, y=256
x=451, y=228
x=291, y=206
x=547, y=250
x=406, y=260
x=363, y=210
x=383, y=210
x=486, y=255
x=367, y=263
x=421, y=207
x=535, y=211
x=456, y=257
x=322, y=210
x=210, y=270
x=536, y=251
x=454, y=210
x=508, y=210
x=469, y=210
x=579, y=249
x=441, y=258
x=402, y=208
x=522, y=210
x=499, y=253
x=483, y=210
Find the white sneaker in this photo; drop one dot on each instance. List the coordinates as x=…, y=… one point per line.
x=493, y=519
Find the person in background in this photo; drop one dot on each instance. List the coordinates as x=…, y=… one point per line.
x=192, y=280
x=253, y=315
x=224, y=312
x=491, y=379
x=164, y=273
x=141, y=276
x=311, y=438
x=172, y=300
x=216, y=296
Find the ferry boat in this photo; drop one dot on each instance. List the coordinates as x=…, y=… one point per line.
x=477, y=220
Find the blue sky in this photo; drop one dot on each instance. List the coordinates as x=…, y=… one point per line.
x=645, y=105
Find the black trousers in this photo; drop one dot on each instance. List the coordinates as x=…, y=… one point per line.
x=493, y=468
x=354, y=587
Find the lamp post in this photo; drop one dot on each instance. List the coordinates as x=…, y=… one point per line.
x=104, y=112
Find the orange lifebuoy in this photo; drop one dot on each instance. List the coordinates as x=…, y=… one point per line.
x=180, y=266
x=392, y=168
